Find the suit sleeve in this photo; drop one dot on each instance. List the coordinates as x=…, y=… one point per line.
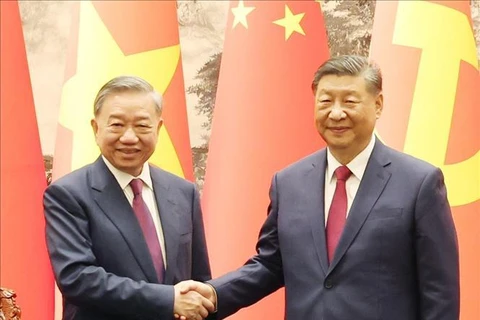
x=78, y=275
x=200, y=263
x=436, y=252
x=261, y=275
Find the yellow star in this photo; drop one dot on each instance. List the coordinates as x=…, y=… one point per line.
x=98, y=60
x=291, y=22
x=241, y=13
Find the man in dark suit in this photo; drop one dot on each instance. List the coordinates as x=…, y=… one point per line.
x=354, y=231
x=122, y=233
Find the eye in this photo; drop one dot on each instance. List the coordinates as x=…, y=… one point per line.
x=324, y=100
x=116, y=124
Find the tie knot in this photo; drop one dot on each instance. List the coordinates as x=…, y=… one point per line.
x=342, y=173
x=136, y=185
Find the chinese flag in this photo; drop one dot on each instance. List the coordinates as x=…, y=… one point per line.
x=428, y=56
x=263, y=121
x=112, y=38
x=25, y=267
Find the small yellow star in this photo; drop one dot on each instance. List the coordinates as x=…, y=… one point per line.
x=291, y=22
x=241, y=13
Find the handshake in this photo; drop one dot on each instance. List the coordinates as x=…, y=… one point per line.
x=194, y=300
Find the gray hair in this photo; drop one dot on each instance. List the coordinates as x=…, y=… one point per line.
x=126, y=83
x=351, y=65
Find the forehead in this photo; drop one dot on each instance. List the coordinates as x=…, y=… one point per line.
x=332, y=84
x=128, y=101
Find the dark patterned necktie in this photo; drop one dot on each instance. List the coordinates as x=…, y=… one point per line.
x=148, y=227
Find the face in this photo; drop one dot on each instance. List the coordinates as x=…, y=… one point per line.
x=126, y=130
x=345, y=113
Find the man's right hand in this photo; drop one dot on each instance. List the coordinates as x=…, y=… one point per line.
x=189, y=304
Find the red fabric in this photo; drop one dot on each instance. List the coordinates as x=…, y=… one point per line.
x=25, y=267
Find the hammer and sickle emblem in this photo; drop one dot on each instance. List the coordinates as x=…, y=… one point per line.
x=448, y=40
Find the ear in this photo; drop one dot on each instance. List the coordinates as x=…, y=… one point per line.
x=159, y=125
x=94, y=125
x=379, y=105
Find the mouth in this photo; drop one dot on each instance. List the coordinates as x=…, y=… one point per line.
x=128, y=151
x=338, y=130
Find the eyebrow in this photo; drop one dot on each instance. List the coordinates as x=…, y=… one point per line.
x=121, y=115
x=330, y=91
x=115, y=116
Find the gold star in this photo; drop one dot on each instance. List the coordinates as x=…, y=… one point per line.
x=241, y=13
x=291, y=22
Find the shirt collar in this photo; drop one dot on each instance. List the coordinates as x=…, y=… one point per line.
x=357, y=166
x=124, y=178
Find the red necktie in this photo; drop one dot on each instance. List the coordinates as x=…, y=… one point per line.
x=148, y=227
x=338, y=211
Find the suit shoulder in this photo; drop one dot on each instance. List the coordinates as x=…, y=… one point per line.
x=416, y=171
x=303, y=164
x=410, y=163
x=73, y=178
x=170, y=178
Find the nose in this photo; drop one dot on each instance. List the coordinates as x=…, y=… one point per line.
x=129, y=136
x=337, y=112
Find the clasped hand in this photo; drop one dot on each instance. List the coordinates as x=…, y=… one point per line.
x=193, y=300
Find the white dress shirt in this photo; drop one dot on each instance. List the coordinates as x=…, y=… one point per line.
x=148, y=196
x=357, y=166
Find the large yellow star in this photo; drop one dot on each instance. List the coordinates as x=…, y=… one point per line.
x=291, y=22
x=98, y=60
x=240, y=13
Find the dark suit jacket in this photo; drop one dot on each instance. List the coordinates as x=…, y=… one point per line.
x=100, y=259
x=397, y=258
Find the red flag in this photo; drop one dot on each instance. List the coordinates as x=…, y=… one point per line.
x=428, y=56
x=112, y=38
x=24, y=261
x=263, y=120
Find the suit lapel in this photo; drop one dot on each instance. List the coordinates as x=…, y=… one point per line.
x=169, y=219
x=111, y=199
x=315, y=180
x=371, y=187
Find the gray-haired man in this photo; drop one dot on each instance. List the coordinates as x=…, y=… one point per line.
x=356, y=230
x=120, y=232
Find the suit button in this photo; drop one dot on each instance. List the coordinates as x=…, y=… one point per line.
x=328, y=284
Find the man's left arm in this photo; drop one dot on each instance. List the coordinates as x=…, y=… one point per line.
x=436, y=252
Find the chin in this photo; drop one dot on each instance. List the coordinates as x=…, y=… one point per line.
x=338, y=141
x=130, y=170
x=340, y=145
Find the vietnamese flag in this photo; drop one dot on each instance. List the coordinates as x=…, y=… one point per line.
x=113, y=38
x=428, y=56
x=25, y=267
x=263, y=121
